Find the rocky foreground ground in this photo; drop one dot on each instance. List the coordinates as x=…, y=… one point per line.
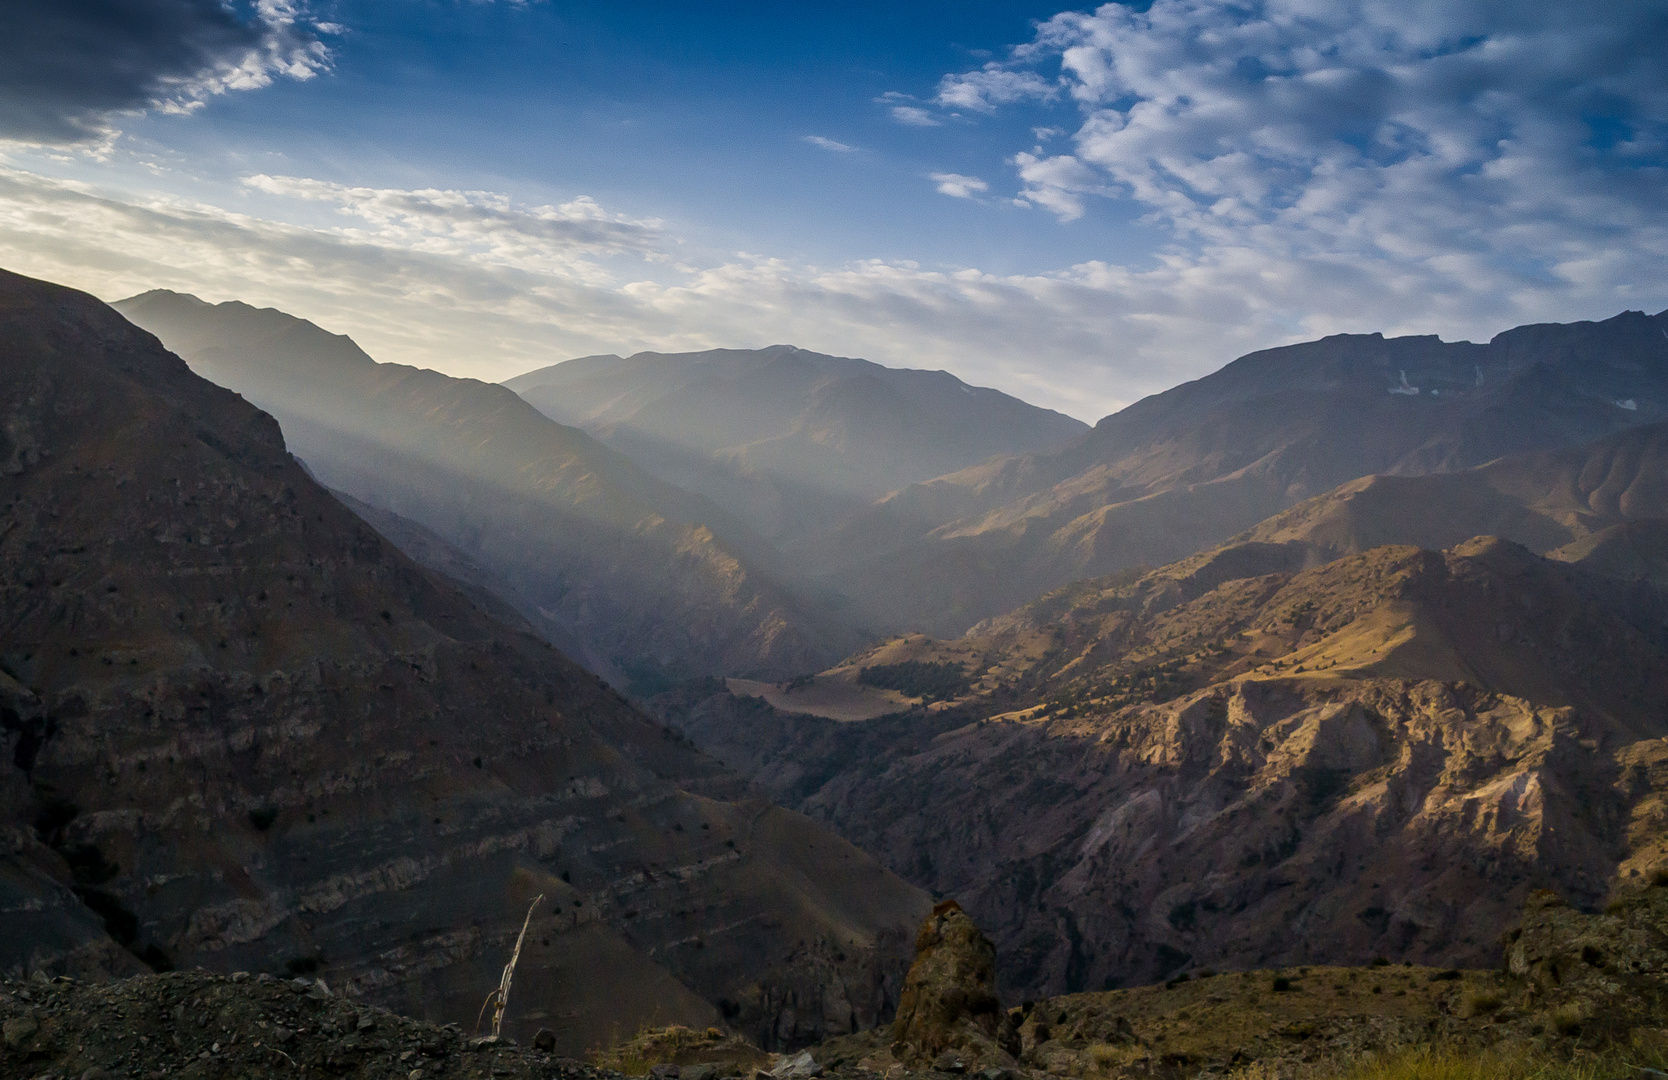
x=1574, y=985
x=196, y=1026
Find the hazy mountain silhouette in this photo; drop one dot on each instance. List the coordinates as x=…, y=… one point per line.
x=647, y=578
x=1186, y=469
x=788, y=440
x=242, y=730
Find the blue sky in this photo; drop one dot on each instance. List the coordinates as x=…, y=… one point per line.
x=1079, y=206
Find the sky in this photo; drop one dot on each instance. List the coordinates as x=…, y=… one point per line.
x=1076, y=206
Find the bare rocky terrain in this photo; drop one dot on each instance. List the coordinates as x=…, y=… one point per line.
x=1578, y=992
x=1238, y=762
x=243, y=731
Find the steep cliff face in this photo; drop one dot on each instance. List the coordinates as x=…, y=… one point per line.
x=1236, y=762
x=243, y=731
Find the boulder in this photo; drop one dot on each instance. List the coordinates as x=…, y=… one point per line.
x=949, y=1000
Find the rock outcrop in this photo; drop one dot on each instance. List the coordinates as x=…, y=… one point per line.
x=949, y=1003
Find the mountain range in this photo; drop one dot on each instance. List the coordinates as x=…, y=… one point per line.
x=244, y=731
x=789, y=441
x=1335, y=655
x=1186, y=469
x=644, y=580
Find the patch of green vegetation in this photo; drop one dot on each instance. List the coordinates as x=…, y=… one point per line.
x=1440, y=1063
x=925, y=679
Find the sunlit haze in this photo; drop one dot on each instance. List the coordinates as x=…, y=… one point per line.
x=1076, y=207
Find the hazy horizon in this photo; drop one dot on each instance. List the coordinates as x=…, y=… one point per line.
x=1077, y=208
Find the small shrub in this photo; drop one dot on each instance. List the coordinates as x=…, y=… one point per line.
x=1445, y=976
x=1281, y=985
x=1659, y=876
x=262, y=818
x=1567, y=1020
x=1480, y=1003
x=1380, y=961
x=1103, y=1056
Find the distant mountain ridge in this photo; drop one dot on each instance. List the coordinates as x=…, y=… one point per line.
x=1184, y=470
x=1573, y=503
x=788, y=439
x=650, y=580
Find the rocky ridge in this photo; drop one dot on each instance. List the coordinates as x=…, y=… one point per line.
x=243, y=731
x=787, y=439
x=1184, y=470
x=1238, y=762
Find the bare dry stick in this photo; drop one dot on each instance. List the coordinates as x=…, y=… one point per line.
x=500, y=998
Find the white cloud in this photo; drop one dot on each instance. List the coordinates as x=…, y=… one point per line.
x=479, y=225
x=830, y=144
x=914, y=116
x=993, y=85
x=1469, y=143
x=959, y=186
x=438, y=279
x=1057, y=183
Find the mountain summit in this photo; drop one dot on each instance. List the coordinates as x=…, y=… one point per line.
x=785, y=438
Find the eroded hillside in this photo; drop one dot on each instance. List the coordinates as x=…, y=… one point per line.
x=1235, y=761
x=243, y=731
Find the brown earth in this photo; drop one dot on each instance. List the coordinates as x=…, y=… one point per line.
x=243, y=731
x=1235, y=762
x=1600, y=504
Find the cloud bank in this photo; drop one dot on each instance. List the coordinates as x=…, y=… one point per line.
x=69, y=67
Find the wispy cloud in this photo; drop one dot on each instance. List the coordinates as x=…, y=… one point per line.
x=411, y=279
x=959, y=186
x=914, y=116
x=906, y=109
x=995, y=84
x=481, y=225
x=830, y=144
x=1057, y=183
x=69, y=70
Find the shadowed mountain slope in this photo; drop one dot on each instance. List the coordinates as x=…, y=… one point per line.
x=242, y=730
x=1184, y=470
x=651, y=580
x=1234, y=761
x=788, y=440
